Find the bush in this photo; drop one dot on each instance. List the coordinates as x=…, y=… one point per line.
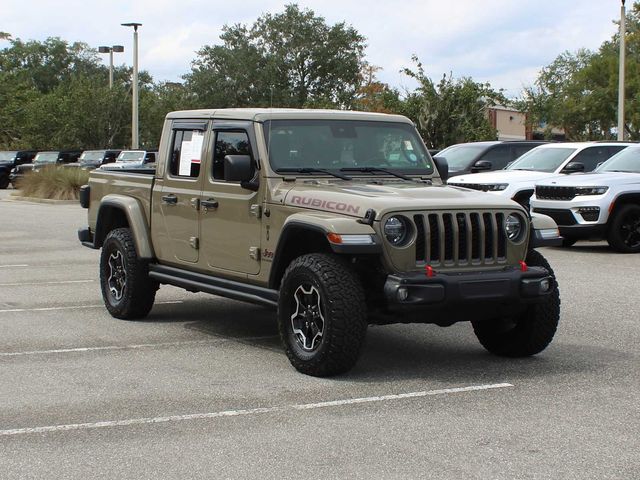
x=58, y=183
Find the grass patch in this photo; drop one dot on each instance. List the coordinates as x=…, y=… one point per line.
x=56, y=183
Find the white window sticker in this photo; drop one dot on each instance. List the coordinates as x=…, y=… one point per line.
x=190, y=152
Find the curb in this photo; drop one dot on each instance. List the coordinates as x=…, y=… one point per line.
x=17, y=198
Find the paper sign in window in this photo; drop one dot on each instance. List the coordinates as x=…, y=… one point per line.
x=190, y=152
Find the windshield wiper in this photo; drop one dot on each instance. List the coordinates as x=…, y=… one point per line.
x=312, y=170
x=621, y=171
x=376, y=169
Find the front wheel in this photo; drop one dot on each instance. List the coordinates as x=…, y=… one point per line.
x=127, y=290
x=624, y=232
x=528, y=333
x=322, y=315
x=4, y=182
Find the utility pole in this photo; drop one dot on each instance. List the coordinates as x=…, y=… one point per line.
x=134, y=106
x=621, y=72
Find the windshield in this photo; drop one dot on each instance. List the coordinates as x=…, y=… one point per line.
x=46, y=157
x=460, y=157
x=627, y=160
x=130, y=156
x=332, y=145
x=7, y=156
x=542, y=159
x=92, y=156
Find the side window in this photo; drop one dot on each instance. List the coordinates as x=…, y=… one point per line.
x=228, y=143
x=186, y=152
x=590, y=157
x=499, y=156
x=519, y=150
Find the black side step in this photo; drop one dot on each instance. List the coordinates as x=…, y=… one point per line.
x=215, y=285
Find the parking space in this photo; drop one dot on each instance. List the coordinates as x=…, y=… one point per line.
x=202, y=387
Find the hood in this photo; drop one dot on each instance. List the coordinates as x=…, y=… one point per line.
x=504, y=176
x=354, y=198
x=604, y=179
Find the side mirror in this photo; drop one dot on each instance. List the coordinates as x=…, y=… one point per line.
x=481, y=166
x=573, y=167
x=238, y=168
x=443, y=168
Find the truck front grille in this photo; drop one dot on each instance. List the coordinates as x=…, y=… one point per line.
x=544, y=192
x=456, y=238
x=483, y=187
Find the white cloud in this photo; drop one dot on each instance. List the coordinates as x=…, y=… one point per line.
x=504, y=42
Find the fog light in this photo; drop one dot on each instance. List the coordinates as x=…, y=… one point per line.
x=590, y=214
x=545, y=285
x=403, y=294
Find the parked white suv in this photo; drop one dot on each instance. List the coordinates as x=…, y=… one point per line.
x=604, y=204
x=518, y=179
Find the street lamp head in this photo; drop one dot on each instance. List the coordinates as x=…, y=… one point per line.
x=104, y=49
x=135, y=25
x=118, y=48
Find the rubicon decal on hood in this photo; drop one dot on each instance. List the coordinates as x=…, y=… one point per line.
x=324, y=204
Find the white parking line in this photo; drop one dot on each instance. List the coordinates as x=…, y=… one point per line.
x=133, y=347
x=71, y=307
x=13, y=266
x=250, y=411
x=61, y=282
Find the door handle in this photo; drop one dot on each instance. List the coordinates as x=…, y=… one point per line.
x=170, y=199
x=209, y=203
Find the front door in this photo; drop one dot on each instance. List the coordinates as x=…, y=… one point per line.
x=178, y=194
x=230, y=214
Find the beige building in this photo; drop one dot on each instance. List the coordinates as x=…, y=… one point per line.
x=511, y=124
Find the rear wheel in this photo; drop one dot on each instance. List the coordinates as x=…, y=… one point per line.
x=624, y=231
x=531, y=331
x=322, y=315
x=127, y=290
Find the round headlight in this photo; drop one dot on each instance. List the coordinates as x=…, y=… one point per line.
x=513, y=227
x=396, y=230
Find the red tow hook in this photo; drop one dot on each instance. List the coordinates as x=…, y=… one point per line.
x=523, y=266
x=429, y=271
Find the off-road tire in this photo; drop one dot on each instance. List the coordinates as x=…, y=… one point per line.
x=626, y=214
x=530, y=332
x=344, y=310
x=568, y=242
x=139, y=291
x=4, y=182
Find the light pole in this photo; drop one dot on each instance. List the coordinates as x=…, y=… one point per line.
x=134, y=107
x=621, y=73
x=110, y=50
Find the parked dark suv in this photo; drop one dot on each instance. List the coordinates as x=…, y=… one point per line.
x=91, y=159
x=43, y=159
x=474, y=157
x=10, y=160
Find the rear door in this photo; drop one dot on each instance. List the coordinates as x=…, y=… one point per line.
x=230, y=214
x=177, y=193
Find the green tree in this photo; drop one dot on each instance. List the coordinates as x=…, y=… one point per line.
x=452, y=110
x=579, y=91
x=290, y=59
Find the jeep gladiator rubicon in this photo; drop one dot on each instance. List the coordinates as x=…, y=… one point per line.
x=336, y=219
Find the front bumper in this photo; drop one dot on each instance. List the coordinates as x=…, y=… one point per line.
x=507, y=286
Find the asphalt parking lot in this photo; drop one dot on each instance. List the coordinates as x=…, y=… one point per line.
x=202, y=389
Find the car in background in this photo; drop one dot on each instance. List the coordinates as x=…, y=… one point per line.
x=603, y=205
x=11, y=159
x=518, y=180
x=90, y=159
x=133, y=159
x=44, y=159
x=474, y=157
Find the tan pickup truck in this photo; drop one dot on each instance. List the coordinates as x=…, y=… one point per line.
x=336, y=219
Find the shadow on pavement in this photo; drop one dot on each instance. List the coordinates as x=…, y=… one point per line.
x=395, y=352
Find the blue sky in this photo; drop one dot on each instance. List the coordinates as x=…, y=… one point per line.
x=504, y=42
